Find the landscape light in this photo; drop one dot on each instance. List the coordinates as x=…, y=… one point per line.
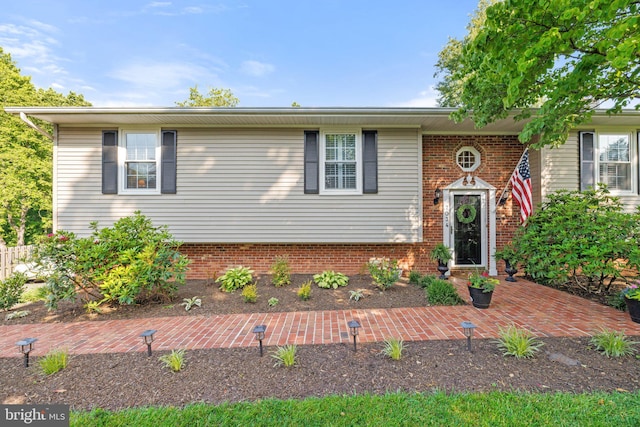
x=468, y=328
x=353, y=327
x=26, y=345
x=147, y=338
x=259, y=331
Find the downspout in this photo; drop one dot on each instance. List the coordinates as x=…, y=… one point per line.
x=34, y=126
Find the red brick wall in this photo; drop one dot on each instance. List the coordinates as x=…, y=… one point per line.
x=499, y=156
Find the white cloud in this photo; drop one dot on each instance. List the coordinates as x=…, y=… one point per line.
x=425, y=99
x=256, y=68
x=161, y=75
x=159, y=4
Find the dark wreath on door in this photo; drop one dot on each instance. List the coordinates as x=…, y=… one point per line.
x=467, y=232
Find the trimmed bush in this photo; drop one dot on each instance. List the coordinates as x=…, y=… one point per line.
x=441, y=292
x=11, y=290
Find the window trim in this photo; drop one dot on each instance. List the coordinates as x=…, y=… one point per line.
x=632, y=136
x=323, y=154
x=475, y=152
x=122, y=160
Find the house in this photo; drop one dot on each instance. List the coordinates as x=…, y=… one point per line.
x=327, y=187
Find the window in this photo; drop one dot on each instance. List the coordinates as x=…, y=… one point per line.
x=607, y=158
x=139, y=162
x=468, y=158
x=341, y=162
x=340, y=157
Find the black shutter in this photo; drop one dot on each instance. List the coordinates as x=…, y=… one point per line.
x=109, y=162
x=369, y=161
x=311, y=162
x=168, y=167
x=587, y=160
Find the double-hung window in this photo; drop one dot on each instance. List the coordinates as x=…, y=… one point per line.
x=341, y=158
x=608, y=158
x=141, y=155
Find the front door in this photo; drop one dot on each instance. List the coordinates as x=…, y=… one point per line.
x=468, y=242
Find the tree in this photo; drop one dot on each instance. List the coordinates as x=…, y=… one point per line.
x=214, y=98
x=25, y=157
x=553, y=62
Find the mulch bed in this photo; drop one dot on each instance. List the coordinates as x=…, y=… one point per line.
x=116, y=381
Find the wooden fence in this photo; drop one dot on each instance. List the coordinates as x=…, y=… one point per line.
x=10, y=257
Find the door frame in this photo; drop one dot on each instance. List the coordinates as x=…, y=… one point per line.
x=472, y=186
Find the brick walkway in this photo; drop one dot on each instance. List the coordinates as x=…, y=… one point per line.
x=544, y=311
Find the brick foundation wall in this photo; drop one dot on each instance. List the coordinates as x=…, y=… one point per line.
x=499, y=155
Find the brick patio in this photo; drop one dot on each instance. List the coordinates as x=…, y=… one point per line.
x=542, y=310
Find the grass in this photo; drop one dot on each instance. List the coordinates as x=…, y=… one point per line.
x=423, y=409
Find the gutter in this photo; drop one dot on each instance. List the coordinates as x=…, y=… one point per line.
x=34, y=126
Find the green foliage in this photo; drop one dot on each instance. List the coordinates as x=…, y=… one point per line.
x=304, y=292
x=281, y=272
x=92, y=307
x=508, y=253
x=393, y=348
x=414, y=277
x=216, y=97
x=174, y=360
x=580, y=240
x=250, y=293
x=235, y=278
x=190, y=302
x=440, y=253
x=25, y=157
x=426, y=280
x=442, y=292
x=54, y=361
x=384, y=272
x=356, y=295
x=273, y=302
x=632, y=291
x=11, y=290
x=34, y=294
x=519, y=343
x=132, y=261
x=613, y=343
x=17, y=314
x=555, y=63
x=482, y=281
x=330, y=279
x=285, y=356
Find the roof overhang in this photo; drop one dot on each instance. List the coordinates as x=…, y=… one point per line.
x=428, y=120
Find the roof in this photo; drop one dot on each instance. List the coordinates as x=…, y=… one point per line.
x=429, y=120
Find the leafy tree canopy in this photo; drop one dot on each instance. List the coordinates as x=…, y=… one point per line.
x=551, y=61
x=214, y=98
x=25, y=157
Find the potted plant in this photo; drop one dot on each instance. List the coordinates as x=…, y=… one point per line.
x=510, y=257
x=442, y=254
x=481, y=288
x=632, y=298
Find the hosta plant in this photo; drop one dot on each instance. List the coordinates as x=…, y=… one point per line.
x=190, y=302
x=356, y=295
x=273, y=302
x=330, y=279
x=235, y=278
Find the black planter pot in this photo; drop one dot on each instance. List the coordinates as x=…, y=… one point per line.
x=480, y=299
x=633, y=305
x=442, y=268
x=510, y=270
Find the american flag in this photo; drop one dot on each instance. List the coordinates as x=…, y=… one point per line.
x=521, y=187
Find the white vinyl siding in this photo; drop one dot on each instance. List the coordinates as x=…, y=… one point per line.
x=246, y=185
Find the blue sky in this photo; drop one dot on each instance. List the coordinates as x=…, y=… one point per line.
x=270, y=53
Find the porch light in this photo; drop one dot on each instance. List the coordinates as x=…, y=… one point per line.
x=26, y=346
x=437, y=195
x=468, y=328
x=259, y=331
x=147, y=338
x=353, y=328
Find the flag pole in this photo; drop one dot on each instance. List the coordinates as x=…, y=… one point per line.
x=514, y=170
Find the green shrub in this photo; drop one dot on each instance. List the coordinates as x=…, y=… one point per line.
x=613, y=343
x=441, y=292
x=11, y=290
x=34, y=294
x=53, y=361
x=132, y=261
x=393, y=348
x=304, y=292
x=330, y=279
x=579, y=240
x=17, y=314
x=174, y=360
x=273, y=302
x=250, y=293
x=384, y=272
x=281, y=272
x=356, y=295
x=414, y=277
x=426, y=280
x=285, y=356
x=235, y=278
x=190, y=302
x=519, y=343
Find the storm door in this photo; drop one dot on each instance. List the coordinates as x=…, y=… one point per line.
x=467, y=229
